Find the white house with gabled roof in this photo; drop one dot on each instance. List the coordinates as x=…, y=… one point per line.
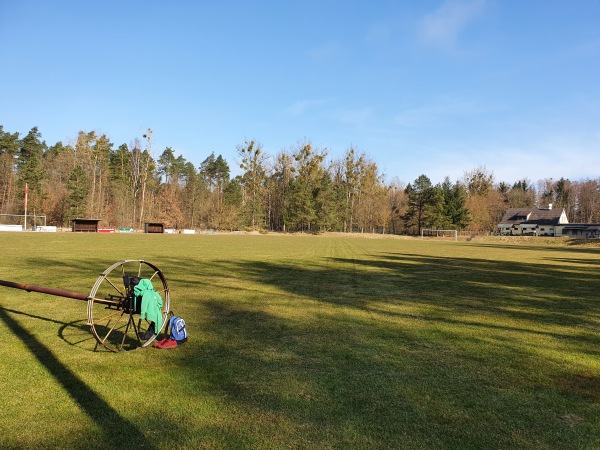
x=532, y=222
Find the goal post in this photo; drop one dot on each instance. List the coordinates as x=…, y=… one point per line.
x=437, y=233
x=23, y=219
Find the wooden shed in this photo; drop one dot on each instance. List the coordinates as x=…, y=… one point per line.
x=154, y=228
x=85, y=225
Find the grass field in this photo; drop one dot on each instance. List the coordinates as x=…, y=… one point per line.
x=310, y=342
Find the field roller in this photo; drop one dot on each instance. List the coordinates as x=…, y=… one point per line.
x=117, y=316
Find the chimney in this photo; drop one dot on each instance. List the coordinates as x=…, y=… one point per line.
x=549, y=205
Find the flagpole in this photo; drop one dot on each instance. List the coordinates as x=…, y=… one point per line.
x=26, y=195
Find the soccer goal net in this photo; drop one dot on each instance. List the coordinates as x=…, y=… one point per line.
x=29, y=220
x=435, y=233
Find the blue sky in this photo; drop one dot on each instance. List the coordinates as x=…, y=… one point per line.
x=423, y=87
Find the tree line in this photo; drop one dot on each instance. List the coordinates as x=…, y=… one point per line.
x=294, y=190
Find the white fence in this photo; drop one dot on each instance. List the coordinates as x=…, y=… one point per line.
x=11, y=227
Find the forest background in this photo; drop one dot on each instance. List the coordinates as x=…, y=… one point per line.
x=294, y=190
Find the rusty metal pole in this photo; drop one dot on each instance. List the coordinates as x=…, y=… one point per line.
x=57, y=292
x=44, y=290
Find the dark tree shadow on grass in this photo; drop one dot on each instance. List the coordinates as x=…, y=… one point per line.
x=342, y=382
x=342, y=373
x=117, y=430
x=341, y=378
x=514, y=290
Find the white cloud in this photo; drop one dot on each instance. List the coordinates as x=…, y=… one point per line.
x=442, y=27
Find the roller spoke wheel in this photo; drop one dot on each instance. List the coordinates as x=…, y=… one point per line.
x=114, y=322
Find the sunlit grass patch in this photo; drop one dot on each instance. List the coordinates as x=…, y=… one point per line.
x=310, y=342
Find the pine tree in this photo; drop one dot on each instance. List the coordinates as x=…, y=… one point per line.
x=325, y=201
x=78, y=187
x=193, y=187
x=58, y=162
x=279, y=185
x=455, y=214
x=166, y=165
x=419, y=197
x=232, y=205
x=9, y=149
x=302, y=208
x=29, y=167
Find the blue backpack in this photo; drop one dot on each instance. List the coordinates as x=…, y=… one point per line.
x=178, y=330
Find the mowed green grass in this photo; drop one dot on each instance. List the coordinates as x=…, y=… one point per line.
x=309, y=342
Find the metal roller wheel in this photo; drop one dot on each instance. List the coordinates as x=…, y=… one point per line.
x=113, y=319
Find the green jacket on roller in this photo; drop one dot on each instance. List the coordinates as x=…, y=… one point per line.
x=152, y=302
